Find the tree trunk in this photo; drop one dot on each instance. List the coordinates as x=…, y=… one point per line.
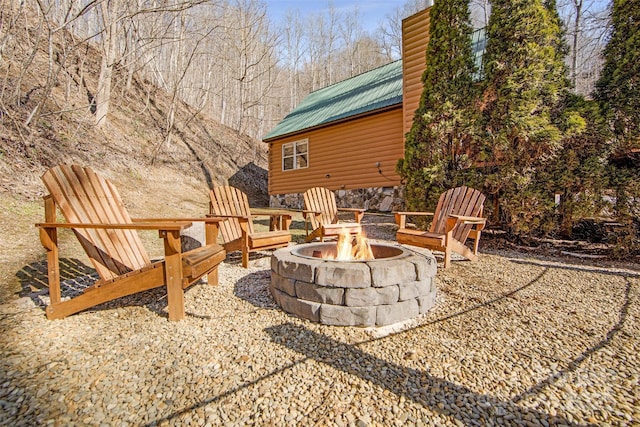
x=103, y=94
x=574, y=50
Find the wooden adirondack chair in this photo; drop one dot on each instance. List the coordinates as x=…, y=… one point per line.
x=94, y=210
x=458, y=217
x=321, y=212
x=237, y=231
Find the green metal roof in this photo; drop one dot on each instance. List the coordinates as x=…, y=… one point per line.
x=373, y=90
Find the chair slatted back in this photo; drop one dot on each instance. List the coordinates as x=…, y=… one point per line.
x=84, y=197
x=457, y=201
x=322, y=200
x=226, y=200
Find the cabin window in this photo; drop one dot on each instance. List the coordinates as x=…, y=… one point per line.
x=295, y=155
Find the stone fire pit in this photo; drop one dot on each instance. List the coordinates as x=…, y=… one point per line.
x=396, y=286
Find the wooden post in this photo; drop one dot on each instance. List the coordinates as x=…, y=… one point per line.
x=286, y=222
x=245, y=243
x=274, y=222
x=476, y=242
x=279, y=221
x=448, y=240
x=173, y=273
x=49, y=239
x=211, y=238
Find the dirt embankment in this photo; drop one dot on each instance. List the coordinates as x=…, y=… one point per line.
x=158, y=173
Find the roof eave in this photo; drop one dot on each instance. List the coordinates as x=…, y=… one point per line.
x=342, y=120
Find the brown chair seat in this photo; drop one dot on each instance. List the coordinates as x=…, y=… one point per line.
x=197, y=262
x=422, y=235
x=268, y=239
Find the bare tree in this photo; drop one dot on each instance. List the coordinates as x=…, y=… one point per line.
x=293, y=54
x=319, y=50
x=480, y=12
x=351, y=33
x=54, y=20
x=108, y=17
x=586, y=23
x=389, y=32
x=184, y=50
x=113, y=17
x=248, y=59
x=10, y=11
x=222, y=57
x=323, y=36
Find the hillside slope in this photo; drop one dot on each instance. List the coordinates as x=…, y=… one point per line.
x=132, y=143
x=155, y=177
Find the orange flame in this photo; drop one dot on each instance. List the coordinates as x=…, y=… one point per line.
x=349, y=249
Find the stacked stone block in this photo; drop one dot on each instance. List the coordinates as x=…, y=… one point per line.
x=372, y=293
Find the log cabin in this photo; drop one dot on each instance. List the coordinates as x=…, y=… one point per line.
x=349, y=136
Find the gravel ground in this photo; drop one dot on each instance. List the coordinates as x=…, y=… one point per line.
x=512, y=340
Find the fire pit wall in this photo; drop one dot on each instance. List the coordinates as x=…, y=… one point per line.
x=372, y=293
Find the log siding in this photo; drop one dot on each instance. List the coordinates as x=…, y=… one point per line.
x=344, y=155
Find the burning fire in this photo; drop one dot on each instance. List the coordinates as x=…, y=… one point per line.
x=349, y=249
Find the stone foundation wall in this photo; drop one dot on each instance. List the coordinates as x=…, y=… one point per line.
x=383, y=199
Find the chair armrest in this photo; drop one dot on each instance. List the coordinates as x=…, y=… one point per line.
x=306, y=213
x=351, y=210
x=273, y=211
x=401, y=217
x=469, y=219
x=358, y=213
x=163, y=226
x=278, y=220
x=48, y=233
x=156, y=225
x=415, y=213
x=242, y=218
x=270, y=215
x=454, y=220
x=211, y=223
x=207, y=219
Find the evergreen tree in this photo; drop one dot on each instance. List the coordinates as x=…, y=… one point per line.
x=618, y=88
x=618, y=91
x=443, y=127
x=525, y=88
x=578, y=175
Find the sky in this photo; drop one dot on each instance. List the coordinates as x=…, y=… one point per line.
x=372, y=12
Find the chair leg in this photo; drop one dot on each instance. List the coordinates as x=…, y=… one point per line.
x=448, y=248
x=245, y=244
x=211, y=237
x=476, y=243
x=212, y=277
x=245, y=257
x=447, y=257
x=315, y=233
x=49, y=240
x=173, y=274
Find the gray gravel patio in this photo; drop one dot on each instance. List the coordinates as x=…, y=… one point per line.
x=513, y=339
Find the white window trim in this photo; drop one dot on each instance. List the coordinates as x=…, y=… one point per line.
x=294, y=144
